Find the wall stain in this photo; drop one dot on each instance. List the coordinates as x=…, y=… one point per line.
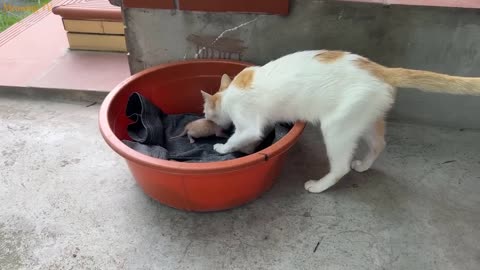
x=212, y=47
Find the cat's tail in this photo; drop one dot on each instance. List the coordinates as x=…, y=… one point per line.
x=423, y=80
x=434, y=82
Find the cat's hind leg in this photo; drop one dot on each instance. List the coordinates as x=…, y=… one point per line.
x=340, y=145
x=343, y=128
x=375, y=140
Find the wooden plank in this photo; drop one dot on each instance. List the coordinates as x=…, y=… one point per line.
x=93, y=26
x=81, y=26
x=96, y=42
x=113, y=28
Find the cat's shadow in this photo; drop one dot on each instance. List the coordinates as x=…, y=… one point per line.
x=287, y=197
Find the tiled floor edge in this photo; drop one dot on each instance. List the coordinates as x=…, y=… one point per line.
x=90, y=97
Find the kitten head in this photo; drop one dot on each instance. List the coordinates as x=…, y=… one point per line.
x=212, y=107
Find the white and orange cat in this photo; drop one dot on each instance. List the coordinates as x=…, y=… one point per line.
x=347, y=94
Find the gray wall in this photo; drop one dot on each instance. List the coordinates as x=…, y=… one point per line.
x=437, y=39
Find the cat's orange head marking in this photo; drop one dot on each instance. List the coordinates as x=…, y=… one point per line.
x=216, y=100
x=212, y=102
x=244, y=79
x=212, y=109
x=329, y=56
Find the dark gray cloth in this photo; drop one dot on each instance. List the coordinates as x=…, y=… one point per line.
x=152, y=133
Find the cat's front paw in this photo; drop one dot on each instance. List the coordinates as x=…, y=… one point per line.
x=220, y=148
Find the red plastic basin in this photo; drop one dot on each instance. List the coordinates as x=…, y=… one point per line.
x=202, y=187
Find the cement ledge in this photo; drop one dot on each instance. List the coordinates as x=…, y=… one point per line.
x=473, y=4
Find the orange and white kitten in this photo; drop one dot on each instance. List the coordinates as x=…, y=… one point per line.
x=347, y=94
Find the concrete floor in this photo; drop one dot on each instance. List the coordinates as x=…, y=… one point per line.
x=68, y=202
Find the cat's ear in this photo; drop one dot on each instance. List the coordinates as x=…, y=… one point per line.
x=206, y=96
x=225, y=82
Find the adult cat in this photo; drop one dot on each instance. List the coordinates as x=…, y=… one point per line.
x=347, y=94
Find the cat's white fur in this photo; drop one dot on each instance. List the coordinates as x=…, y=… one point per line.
x=346, y=94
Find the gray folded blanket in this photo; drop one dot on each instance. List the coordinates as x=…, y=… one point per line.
x=152, y=133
